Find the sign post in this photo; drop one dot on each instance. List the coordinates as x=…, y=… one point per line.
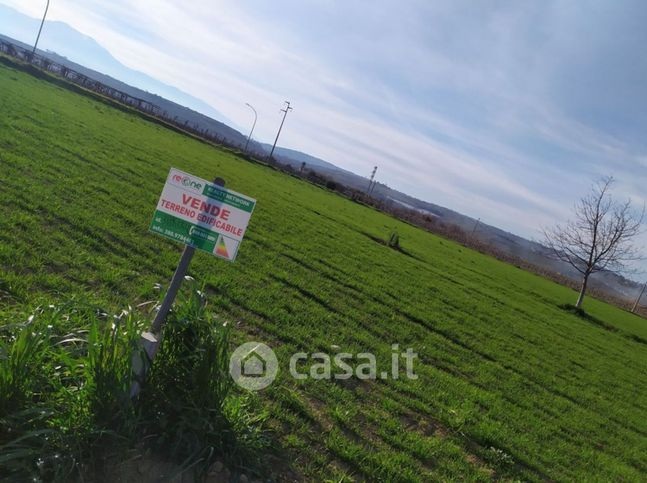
x=201, y=215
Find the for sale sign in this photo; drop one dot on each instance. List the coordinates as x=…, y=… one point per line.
x=201, y=214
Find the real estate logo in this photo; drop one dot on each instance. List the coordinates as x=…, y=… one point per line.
x=253, y=366
x=187, y=182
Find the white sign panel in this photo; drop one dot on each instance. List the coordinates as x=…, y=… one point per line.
x=202, y=214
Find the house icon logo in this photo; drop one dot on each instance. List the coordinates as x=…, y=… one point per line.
x=253, y=366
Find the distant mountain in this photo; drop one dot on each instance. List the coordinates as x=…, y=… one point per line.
x=67, y=42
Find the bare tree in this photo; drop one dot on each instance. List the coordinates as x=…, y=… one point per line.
x=600, y=235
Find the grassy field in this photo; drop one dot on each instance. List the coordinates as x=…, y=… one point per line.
x=511, y=385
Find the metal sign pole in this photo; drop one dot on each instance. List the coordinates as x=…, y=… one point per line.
x=171, y=293
x=150, y=341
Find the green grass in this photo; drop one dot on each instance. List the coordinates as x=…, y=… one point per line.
x=510, y=385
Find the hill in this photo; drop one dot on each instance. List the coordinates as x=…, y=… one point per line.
x=510, y=384
x=294, y=157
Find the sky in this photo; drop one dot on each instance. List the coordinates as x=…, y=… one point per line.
x=502, y=110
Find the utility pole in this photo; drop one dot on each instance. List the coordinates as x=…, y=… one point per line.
x=639, y=297
x=285, y=113
x=370, y=181
x=40, y=29
x=475, y=227
x=253, y=125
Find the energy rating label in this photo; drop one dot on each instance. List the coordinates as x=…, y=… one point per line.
x=201, y=214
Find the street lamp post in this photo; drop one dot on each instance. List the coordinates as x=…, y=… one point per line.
x=253, y=125
x=40, y=29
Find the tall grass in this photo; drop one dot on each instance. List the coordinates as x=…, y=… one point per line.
x=109, y=371
x=189, y=405
x=22, y=352
x=62, y=379
x=65, y=376
x=24, y=348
